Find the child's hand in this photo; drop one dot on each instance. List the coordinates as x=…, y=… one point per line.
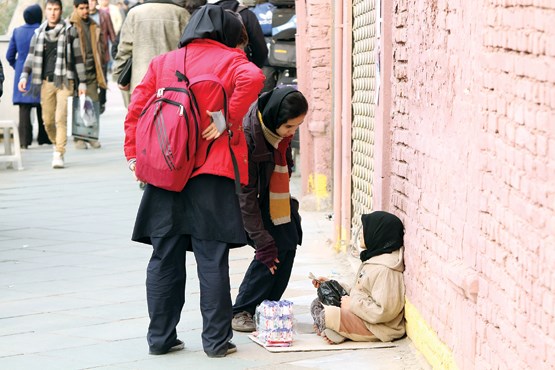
x=316, y=282
x=345, y=302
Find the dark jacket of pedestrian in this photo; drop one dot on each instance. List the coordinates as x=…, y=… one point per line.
x=18, y=50
x=1, y=79
x=95, y=36
x=256, y=49
x=108, y=33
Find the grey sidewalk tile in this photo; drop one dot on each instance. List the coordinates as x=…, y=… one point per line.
x=32, y=343
x=44, y=323
x=115, y=330
x=32, y=361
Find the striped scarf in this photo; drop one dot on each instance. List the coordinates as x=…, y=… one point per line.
x=58, y=34
x=280, y=206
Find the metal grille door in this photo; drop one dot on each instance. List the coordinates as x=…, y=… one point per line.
x=364, y=106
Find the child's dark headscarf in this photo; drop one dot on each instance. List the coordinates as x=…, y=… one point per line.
x=215, y=23
x=383, y=233
x=269, y=105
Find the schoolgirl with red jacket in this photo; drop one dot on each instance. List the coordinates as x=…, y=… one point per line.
x=205, y=217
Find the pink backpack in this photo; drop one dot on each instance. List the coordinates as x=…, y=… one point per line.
x=168, y=131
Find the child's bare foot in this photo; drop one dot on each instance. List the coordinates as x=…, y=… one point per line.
x=327, y=339
x=315, y=327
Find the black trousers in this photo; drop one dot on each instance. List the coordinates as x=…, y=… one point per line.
x=259, y=284
x=165, y=287
x=26, y=128
x=102, y=92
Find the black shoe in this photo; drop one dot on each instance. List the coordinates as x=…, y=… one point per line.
x=231, y=348
x=177, y=346
x=102, y=108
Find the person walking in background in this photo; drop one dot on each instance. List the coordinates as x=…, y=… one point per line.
x=150, y=29
x=1, y=79
x=205, y=216
x=114, y=12
x=374, y=308
x=18, y=50
x=270, y=214
x=256, y=49
x=90, y=37
x=102, y=19
x=55, y=64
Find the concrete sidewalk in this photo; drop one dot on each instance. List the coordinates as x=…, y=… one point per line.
x=72, y=292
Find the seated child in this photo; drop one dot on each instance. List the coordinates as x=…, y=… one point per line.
x=374, y=308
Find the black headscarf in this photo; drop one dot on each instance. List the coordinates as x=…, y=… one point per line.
x=383, y=233
x=33, y=14
x=215, y=23
x=269, y=105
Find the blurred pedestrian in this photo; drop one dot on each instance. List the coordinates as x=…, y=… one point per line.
x=114, y=12
x=108, y=37
x=18, y=50
x=150, y=29
x=1, y=79
x=270, y=215
x=55, y=65
x=90, y=37
x=205, y=216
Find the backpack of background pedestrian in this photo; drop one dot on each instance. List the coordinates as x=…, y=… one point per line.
x=264, y=13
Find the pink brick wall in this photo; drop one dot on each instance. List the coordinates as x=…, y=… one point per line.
x=314, y=56
x=473, y=174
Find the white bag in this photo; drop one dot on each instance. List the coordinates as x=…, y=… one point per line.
x=87, y=111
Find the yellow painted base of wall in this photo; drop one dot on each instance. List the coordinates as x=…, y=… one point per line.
x=341, y=241
x=425, y=339
x=318, y=186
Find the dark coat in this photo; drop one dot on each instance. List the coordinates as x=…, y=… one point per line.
x=16, y=55
x=256, y=50
x=254, y=200
x=1, y=79
x=108, y=34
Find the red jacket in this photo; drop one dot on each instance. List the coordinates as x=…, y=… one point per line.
x=242, y=81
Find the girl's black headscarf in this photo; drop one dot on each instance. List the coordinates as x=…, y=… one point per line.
x=269, y=105
x=215, y=23
x=383, y=233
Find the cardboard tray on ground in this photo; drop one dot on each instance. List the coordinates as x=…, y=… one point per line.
x=313, y=342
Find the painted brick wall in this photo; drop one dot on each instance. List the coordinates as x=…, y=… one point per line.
x=314, y=59
x=473, y=174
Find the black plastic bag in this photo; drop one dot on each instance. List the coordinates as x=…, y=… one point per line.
x=330, y=293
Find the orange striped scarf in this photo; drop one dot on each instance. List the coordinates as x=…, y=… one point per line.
x=280, y=206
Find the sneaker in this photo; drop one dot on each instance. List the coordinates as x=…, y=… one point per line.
x=243, y=322
x=80, y=144
x=178, y=345
x=95, y=144
x=231, y=348
x=58, y=160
